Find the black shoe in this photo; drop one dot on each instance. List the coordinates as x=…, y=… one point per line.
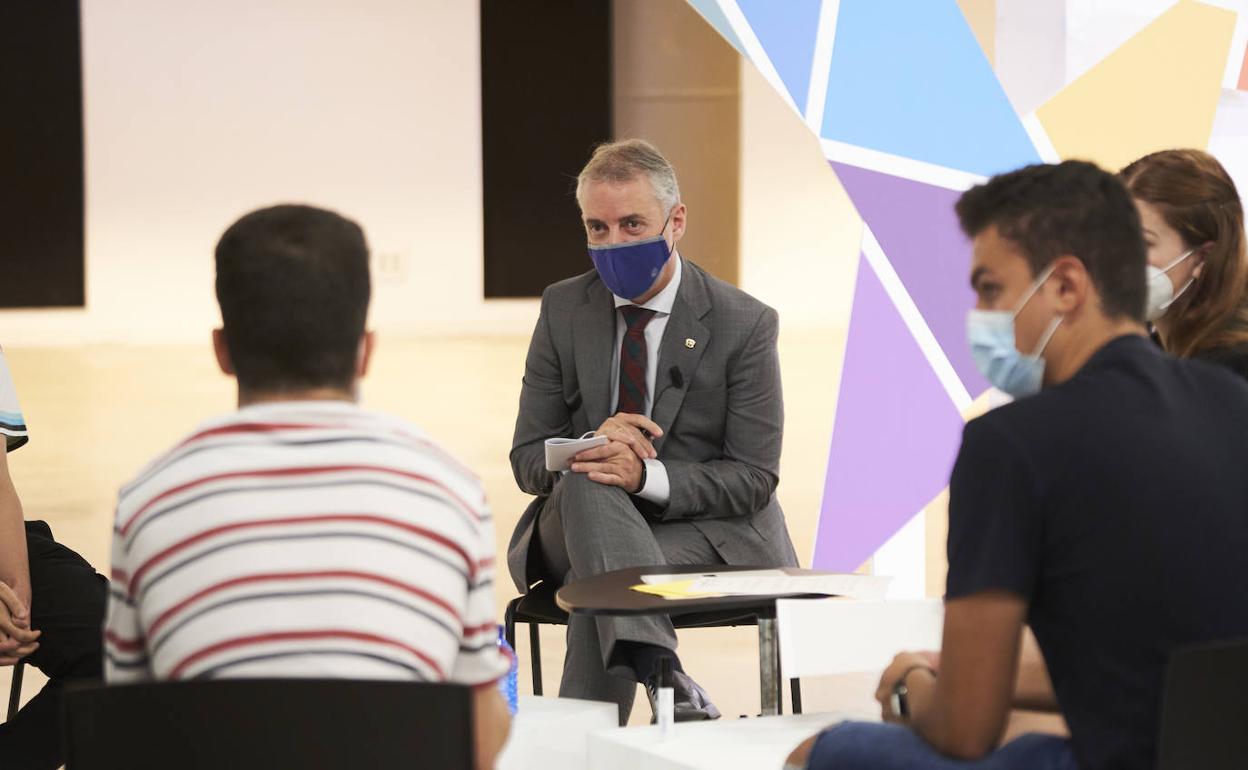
x=692, y=704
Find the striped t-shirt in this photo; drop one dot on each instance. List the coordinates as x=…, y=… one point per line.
x=12, y=424
x=303, y=539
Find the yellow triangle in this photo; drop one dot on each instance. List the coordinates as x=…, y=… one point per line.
x=1159, y=90
x=981, y=17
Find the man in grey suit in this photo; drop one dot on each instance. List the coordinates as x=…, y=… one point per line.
x=679, y=371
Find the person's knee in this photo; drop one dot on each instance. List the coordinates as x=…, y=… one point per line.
x=579, y=496
x=1038, y=750
x=69, y=654
x=70, y=611
x=867, y=746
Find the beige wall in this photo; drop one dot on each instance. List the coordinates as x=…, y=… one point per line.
x=198, y=111
x=677, y=83
x=799, y=232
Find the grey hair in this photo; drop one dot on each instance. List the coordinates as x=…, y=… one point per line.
x=625, y=160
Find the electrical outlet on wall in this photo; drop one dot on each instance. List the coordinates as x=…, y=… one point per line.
x=390, y=266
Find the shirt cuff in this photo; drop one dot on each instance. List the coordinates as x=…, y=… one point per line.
x=658, y=489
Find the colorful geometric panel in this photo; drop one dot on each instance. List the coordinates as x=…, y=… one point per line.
x=913, y=113
x=981, y=17
x=1229, y=139
x=1159, y=90
x=1030, y=57
x=916, y=227
x=909, y=79
x=711, y=11
x=1097, y=28
x=787, y=33
x=894, y=422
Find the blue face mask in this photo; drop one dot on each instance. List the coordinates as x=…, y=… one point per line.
x=630, y=269
x=991, y=334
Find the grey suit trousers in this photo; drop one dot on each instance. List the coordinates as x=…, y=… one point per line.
x=585, y=529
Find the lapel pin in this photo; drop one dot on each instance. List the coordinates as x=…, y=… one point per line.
x=690, y=342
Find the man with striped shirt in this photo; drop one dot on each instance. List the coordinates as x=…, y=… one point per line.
x=303, y=536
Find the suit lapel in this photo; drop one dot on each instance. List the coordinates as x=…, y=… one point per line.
x=692, y=304
x=593, y=339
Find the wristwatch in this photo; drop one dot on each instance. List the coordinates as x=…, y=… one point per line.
x=901, y=704
x=642, y=485
x=901, y=693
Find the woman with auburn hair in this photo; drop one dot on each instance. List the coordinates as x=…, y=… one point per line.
x=1198, y=272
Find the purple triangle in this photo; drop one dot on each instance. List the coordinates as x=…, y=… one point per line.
x=895, y=437
x=918, y=230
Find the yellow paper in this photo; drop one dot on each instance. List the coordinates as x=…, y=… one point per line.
x=1159, y=90
x=678, y=589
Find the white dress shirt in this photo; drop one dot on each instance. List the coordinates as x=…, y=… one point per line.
x=657, y=489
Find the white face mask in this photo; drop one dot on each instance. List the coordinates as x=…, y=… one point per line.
x=1161, y=294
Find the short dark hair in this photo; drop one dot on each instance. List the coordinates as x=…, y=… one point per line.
x=293, y=286
x=1068, y=208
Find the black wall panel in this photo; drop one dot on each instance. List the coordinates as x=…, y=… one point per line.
x=546, y=101
x=41, y=155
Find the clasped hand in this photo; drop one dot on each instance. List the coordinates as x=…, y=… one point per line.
x=619, y=462
x=902, y=663
x=883, y=695
x=17, y=640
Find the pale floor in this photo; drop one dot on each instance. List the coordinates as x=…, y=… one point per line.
x=97, y=414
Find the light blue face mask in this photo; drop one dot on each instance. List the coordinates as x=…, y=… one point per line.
x=991, y=334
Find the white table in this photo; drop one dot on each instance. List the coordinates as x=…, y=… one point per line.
x=552, y=733
x=724, y=744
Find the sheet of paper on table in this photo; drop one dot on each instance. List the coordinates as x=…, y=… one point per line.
x=679, y=576
x=829, y=584
x=763, y=582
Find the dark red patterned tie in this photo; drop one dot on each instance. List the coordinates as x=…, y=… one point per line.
x=633, y=360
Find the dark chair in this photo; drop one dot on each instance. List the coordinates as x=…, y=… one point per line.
x=15, y=689
x=1202, y=714
x=538, y=607
x=260, y=724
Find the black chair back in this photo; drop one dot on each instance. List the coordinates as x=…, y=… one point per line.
x=1204, y=721
x=261, y=724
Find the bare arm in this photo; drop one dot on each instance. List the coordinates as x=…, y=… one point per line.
x=1033, y=689
x=17, y=638
x=14, y=567
x=963, y=712
x=492, y=723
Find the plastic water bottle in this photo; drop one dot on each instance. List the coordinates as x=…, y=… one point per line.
x=666, y=705
x=507, y=685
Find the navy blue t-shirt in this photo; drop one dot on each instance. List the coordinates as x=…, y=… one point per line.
x=1116, y=504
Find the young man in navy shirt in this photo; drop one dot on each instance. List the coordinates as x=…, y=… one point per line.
x=1106, y=508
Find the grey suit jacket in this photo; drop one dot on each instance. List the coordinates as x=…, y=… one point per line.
x=722, y=417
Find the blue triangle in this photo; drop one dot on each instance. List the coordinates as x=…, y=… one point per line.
x=787, y=33
x=908, y=78
x=711, y=11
